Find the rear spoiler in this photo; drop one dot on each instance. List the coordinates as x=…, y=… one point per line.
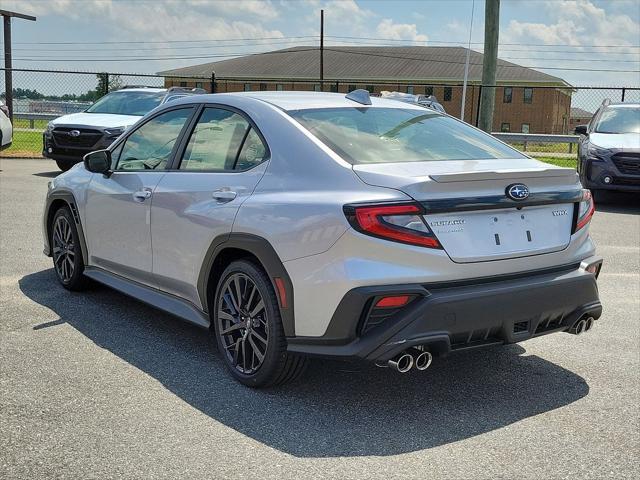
x=503, y=175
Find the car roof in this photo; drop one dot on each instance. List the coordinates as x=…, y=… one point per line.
x=303, y=100
x=141, y=89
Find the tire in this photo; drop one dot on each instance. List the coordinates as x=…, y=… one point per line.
x=243, y=329
x=66, y=252
x=65, y=165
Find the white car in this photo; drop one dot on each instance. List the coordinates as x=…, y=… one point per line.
x=298, y=224
x=69, y=137
x=6, y=129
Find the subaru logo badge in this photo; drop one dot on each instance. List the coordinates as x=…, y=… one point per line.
x=517, y=191
x=74, y=133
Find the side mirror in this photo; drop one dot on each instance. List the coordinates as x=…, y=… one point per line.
x=581, y=130
x=98, y=162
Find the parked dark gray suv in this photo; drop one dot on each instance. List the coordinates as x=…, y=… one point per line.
x=609, y=148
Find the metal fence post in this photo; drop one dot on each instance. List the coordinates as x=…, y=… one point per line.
x=106, y=83
x=213, y=82
x=624, y=90
x=478, y=106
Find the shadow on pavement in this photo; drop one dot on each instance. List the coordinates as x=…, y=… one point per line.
x=337, y=409
x=47, y=174
x=617, y=202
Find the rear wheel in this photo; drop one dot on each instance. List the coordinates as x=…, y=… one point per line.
x=66, y=252
x=65, y=165
x=248, y=328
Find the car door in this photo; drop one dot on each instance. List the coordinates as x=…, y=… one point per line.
x=118, y=206
x=221, y=162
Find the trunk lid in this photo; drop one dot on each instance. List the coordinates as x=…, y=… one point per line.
x=469, y=212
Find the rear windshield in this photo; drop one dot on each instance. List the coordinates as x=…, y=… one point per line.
x=386, y=135
x=127, y=103
x=619, y=120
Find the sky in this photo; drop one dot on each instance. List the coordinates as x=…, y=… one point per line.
x=602, y=36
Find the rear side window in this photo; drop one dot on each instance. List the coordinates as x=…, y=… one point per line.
x=391, y=135
x=222, y=140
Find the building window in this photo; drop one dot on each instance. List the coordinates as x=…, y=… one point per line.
x=410, y=89
x=447, y=94
x=508, y=95
x=247, y=87
x=198, y=84
x=263, y=87
x=352, y=88
x=528, y=95
x=279, y=87
x=334, y=88
x=525, y=128
x=428, y=91
x=370, y=88
x=316, y=88
x=183, y=84
x=505, y=127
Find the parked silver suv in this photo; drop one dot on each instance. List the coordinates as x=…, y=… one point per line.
x=313, y=224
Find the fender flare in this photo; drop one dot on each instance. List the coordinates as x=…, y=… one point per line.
x=260, y=248
x=67, y=197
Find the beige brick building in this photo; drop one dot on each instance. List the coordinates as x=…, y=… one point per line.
x=526, y=100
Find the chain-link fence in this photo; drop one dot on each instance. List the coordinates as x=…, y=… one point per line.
x=520, y=110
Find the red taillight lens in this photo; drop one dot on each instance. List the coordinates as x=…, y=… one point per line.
x=586, y=209
x=393, y=302
x=399, y=222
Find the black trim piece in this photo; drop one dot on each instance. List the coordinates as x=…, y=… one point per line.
x=151, y=296
x=492, y=202
x=265, y=253
x=69, y=199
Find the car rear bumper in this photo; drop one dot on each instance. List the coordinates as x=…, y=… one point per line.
x=449, y=317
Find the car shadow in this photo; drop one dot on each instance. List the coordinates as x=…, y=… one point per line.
x=47, y=174
x=617, y=202
x=337, y=409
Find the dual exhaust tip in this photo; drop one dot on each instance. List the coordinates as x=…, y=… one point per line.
x=404, y=362
x=581, y=326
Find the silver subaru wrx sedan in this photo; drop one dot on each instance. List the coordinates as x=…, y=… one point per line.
x=298, y=224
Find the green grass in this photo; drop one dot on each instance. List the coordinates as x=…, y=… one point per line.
x=25, y=144
x=546, y=147
x=560, y=162
x=38, y=124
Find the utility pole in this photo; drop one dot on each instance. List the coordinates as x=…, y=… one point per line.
x=8, y=73
x=322, y=50
x=489, y=64
x=466, y=64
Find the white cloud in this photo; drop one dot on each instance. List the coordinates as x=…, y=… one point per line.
x=399, y=31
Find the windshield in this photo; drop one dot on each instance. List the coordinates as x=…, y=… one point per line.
x=386, y=135
x=127, y=103
x=619, y=120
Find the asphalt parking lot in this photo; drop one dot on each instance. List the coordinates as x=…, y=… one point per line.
x=96, y=385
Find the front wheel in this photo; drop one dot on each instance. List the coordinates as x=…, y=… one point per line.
x=248, y=328
x=66, y=251
x=65, y=165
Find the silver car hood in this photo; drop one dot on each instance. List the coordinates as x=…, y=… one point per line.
x=96, y=120
x=625, y=141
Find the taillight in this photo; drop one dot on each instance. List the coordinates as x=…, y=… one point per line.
x=397, y=222
x=586, y=209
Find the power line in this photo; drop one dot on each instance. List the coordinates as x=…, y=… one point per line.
x=123, y=42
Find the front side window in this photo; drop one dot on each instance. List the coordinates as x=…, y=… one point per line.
x=150, y=146
x=619, y=120
x=389, y=135
x=528, y=95
x=222, y=140
x=127, y=103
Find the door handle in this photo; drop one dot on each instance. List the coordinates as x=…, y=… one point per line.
x=224, y=195
x=142, y=195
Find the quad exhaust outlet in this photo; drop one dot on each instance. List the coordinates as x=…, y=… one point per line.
x=421, y=359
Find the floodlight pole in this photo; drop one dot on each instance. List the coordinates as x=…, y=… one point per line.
x=466, y=64
x=8, y=80
x=321, y=50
